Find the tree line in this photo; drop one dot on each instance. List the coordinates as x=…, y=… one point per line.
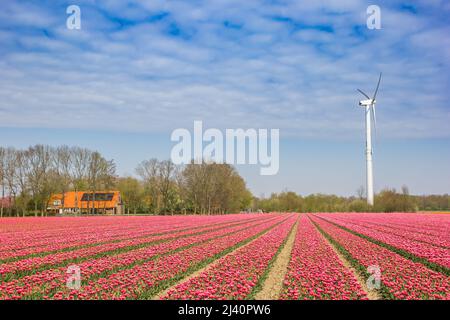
x=165, y=188
x=387, y=200
x=29, y=177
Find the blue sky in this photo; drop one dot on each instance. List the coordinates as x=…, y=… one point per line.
x=137, y=70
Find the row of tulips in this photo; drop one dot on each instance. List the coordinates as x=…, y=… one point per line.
x=315, y=270
x=125, y=228
x=145, y=280
x=442, y=240
x=41, y=228
x=46, y=283
x=83, y=229
x=401, y=278
x=429, y=224
x=235, y=276
x=433, y=253
x=18, y=268
x=72, y=232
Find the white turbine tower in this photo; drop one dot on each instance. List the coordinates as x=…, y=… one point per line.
x=369, y=107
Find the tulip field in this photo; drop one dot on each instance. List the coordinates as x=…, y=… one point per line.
x=294, y=256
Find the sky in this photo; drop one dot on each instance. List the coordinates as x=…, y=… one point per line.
x=137, y=70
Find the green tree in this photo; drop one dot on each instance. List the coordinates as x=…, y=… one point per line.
x=132, y=193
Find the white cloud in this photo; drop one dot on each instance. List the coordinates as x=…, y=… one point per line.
x=293, y=74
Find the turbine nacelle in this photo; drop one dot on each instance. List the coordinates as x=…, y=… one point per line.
x=367, y=103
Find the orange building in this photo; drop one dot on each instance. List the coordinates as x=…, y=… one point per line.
x=101, y=202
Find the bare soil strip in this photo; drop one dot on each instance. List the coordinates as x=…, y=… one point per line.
x=209, y=266
x=273, y=284
x=371, y=294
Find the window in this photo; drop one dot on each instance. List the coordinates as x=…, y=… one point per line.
x=98, y=197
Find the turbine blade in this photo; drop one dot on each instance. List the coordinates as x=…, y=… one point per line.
x=360, y=91
x=374, y=116
x=378, y=86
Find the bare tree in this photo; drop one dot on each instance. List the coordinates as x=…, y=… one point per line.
x=166, y=178
x=148, y=171
x=10, y=174
x=2, y=177
x=63, y=163
x=79, y=170
x=405, y=190
x=361, y=192
x=40, y=165
x=22, y=174
x=101, y=173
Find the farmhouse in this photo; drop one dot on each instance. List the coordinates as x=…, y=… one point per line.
x=101, y=202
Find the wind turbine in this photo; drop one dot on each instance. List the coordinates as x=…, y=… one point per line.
x=369, y=106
